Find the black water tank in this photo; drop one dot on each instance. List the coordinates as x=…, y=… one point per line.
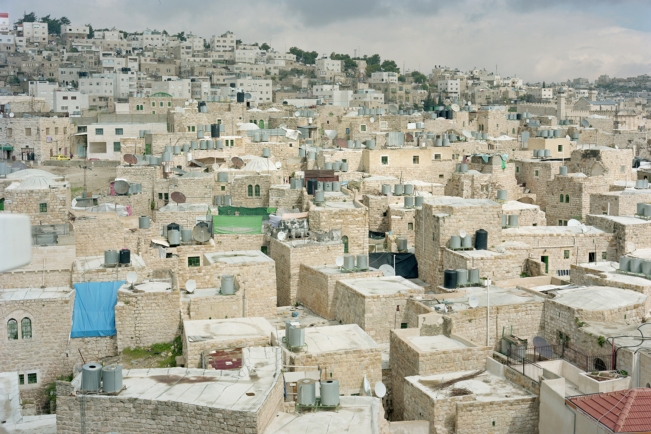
x=450, y=279
x=214, y=130
x=240, y=96
x=125, y=256
x=311, y=185
x=448, y=114
x=174, y=227
x=481, y=240
x=518, y=116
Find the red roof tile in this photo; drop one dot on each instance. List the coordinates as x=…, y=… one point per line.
x=622, y=411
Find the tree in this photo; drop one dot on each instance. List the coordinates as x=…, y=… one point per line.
x=181, y=36
x=373, y=60
x=307, y=57
x=418, y=77
x=543, y=84
x=265, y=46
x=390, y=66
x=347, y=62
x=91, y=32
x=402, y=78
x=54, y=24
x=27, y=18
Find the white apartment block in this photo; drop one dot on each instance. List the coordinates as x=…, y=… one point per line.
x=72, y=102
x=383, y=77
x=75, y=32
x=247, y=56
x=34, y=33
x=450, y=87
x=103, y=139
x=328, y=65
x=281, y=56
x=119, y=85
x=200, y=89
x=42, y=89
x=179, y=88
x=367, y=97
x=260, y=90
x=152, y=38
x=225, y=42
x=542, y=93
x=7, y=43
x=195, y=42
x=107, y=35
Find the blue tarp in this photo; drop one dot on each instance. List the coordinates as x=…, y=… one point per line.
x=94, y=312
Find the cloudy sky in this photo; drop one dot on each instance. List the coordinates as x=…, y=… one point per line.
x=533, y=39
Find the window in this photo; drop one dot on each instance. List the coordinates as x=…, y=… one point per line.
x=116, y=146
x=385, y=160
x=42, y=207
x=99, y=131
x=153, y=103
x=32, y=378
x=567, y=198
x=12, y=330
x=437, y=156
x=119, y=131
x=21, y=379
x=440, y=175
x=561, y=198
x=603, y=256
x=160, y=196
x=249, y=191
x=160, y=104
x=560, y=222
x=566, y=254
x=347, y=130
x=622, y=169
x=169, y=103
x=560, y=148
x=26, y=328
x=410, y=226
x=166, y=196
x=28, y=131
x=257, y=190
x=362, y=128
x=65, y=130
x=47, y=131
x=223, y=188
x=194, y=261
x=416, y=159
x=9, y=132
x=535, y=173
x=190, y=128
x=517, y=169
x=404, y=325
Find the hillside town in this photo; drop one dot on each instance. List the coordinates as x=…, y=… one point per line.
x=230, y=237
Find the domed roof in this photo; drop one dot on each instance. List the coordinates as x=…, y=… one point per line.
x=23, y=174
x=35, y=182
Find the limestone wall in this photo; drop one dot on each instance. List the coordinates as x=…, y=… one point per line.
x=353, y=223
x=28, y=202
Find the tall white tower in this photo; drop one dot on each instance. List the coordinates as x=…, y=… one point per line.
x=560, y=104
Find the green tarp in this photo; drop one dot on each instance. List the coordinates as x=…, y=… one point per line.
x=229, y=224
x=240, y=210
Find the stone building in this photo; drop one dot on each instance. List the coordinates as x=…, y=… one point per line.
x=568, y=196
x=45, y=201
x=290, y=255
x=342, y=352
x=619, y=203
x=376, y=304
x=350, y=217
x=609, y=163
x=533, y=174
x=44, y=136
x=528, y=215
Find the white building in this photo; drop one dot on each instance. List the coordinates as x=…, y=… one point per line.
x=383, y=77
x=72, y=102
x=225, y=42
x=327, y=68
x=178, y=88
x=103, y=139
x=260, y=89
x=449, y=87
x=4, y=23
x=75, y=32
x=541, y=93
x=247, y=56
x=42, y=89
x=367, y=98
x=34, y=33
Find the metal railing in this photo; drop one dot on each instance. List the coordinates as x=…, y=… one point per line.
x=519, y=356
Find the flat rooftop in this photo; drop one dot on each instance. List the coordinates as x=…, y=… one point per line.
x=356, y=414
x=226, y=330
x=641, y=253
x=333, y=270
x=598, y=298
x=514, y=205
x=484, y=387
x=331, y=339
x=335, y=205
x=552, y=230
x=238, y=257
x=383, y=286
x=89, y=263
x=454, y=201
x=625, y=220
x=608, y=271
x=435, y=343
x=35, y=293
x=148, y=287
x=235, y=390
x=498, y=297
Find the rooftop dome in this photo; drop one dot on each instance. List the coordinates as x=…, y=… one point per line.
x=23, y=174
x=36, y=182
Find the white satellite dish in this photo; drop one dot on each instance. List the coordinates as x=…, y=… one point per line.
x=11, y=115
x=132, y=277
x=278, y=164
x=574, y=223
x=297, y=113
x=462, y=233
x=455, y=107
x=187, y=103
x=630, y=247
x=281, y=236
x=380, y=389
x=372, y=119
x=367, y=387
x=473, y=302
x=584, y=228
x=387, y=270
x=339, y=261
x=190, y=286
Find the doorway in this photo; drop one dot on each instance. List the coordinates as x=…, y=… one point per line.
x=344, y=239
x=545, y=260
x=592, y=257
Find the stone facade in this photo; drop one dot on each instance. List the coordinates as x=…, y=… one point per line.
x=350, y=218
x=44, y=206
x=289, y=255
x=619, y=203
x=533, y=175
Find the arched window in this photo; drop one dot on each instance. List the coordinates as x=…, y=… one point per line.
x=250, y=190
x=261, y=124
x=26, y=328
x=561, y=198
x=344, y=240
x=512, y=130
x=567, y=198
x=257, y=190
x=12, y=329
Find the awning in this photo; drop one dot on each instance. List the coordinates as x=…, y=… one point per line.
x=6, y=148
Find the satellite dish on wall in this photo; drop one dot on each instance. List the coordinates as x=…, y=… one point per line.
x=237, y=162
x=372, y=120
x=339, y=261
x=387, y=270
x=11, y=115
x=178, y=197
x=201, y=232
x=247, y=96
x=462, y=233
x=190, y=286
x=278, y=164
x=455, y=107
x=121, y=187
x=380, y=389
x=132, y=277
x=130, y=159
x=297, y=113
x=281, y=236
x=585, y=123
x=630, y=247
x=473, y=302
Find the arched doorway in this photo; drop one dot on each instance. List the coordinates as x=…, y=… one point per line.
x=344, y=240
x=261, y=124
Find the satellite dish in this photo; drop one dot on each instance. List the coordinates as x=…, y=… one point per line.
x=574, y=223
x=584, y=228
x=281, y=236
x=380, y=389
x=237, y=162
x=121, y=187
x=339, y=261
x=278, y=164
x=455, y=107
x=473, y=302
x=247, y=96
x=630, y=247
x=372, y=120
x=130, y=159
x=11, y=115
x=387, y=270
x=462, y=233
x=367, y=387
x=178, y=197
x=539, y=341
x=190, y=286
x=201, y=232
x=132, y=277
x=297, y=113
x=585, y=123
